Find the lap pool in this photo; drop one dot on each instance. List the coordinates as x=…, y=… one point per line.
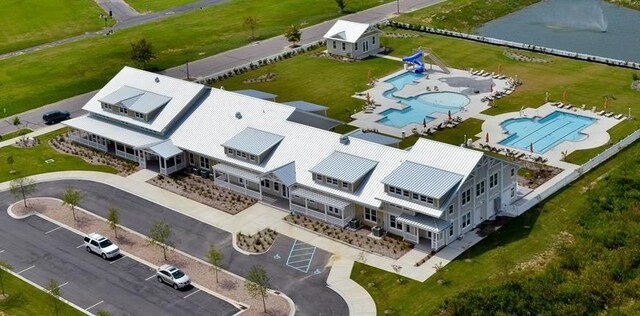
x=418, y=108
x=544, y=133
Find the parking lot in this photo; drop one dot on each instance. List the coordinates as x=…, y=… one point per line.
x=39, y=251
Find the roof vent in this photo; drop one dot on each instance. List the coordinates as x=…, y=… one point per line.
x=238, y=115
x=344, y=139
x=157, y=79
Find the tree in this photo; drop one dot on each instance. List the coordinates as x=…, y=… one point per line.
x=10, y=161
x=102, y=312
x=251, y=22
x=71, y=198
x=16, y=121
x=142, y=52
x=53, y=287
x=341, y=5
x=257, y=284
x=214, y=257
x=293, y=34
x=21, y=188
x=3, y=267
x=114, y=220
x=159, y=236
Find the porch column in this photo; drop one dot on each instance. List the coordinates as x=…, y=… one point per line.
x=325, y=212
x=306, y=207
x=435, y=241
x=245, y=186
x=259, y=188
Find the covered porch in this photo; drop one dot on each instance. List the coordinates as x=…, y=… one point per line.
x=320, y=206
x=424, y=229
x=238, y=180
x=163, y=157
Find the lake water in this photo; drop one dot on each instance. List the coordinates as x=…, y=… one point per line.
x=573, y=25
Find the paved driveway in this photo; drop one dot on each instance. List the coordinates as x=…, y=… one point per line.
x=308, y=290
x=40, y=250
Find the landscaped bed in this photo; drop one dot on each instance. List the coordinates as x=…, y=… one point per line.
x=259, y=242
x=203, y=191
x=229, y=285
x=62, y=144
x=388, y=246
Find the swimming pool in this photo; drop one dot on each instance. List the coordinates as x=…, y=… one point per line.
x=420, y=107
x=545, y=133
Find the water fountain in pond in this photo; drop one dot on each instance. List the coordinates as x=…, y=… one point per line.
x=577, y=15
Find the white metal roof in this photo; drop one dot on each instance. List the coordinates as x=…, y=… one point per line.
x=136, y=100
x=253, y=141
x=344, y=167
x=257, y=94
x=166, y=149
x=429, y=223
x=118, y=133
x=238, y=172
x=375, y=137
x=286, y=174
x=411, y=205
x=181, y=92
x=347, y=31
x=318, y=197
x=422, y=179
x=444, y=156
x=307, y=106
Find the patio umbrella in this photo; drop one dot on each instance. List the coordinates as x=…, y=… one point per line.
x=486, y=138
x=606, y=103
x=499, y=68
x=531, y=148
x=564, y=96
x=449, y=115
x=424, y=122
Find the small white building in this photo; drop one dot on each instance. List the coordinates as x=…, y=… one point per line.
x=353, y=40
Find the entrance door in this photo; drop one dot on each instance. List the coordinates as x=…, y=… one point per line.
x=365, y=46
x=497, y=203
x=284, y=191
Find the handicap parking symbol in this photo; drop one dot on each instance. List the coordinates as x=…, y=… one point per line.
x=277, y=256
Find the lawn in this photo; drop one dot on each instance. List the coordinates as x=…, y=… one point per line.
x=156, y=5
x=617, y=133
x=30, y=161
x=32, y=80
x=26, y=300
x=27, y=23
x=524, y=239
x=14, y=134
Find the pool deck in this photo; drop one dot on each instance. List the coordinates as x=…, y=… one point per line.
x=596, y=133
x=433, y=79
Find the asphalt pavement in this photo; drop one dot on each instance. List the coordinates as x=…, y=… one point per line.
x=40, y=250
x=307, y=288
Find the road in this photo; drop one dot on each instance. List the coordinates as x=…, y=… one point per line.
x=40, y=250
x=228, y=59
x=307, y=287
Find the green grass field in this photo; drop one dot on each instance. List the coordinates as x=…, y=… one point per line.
x=524, y=239
x=26, y=300
x=32, y=80
x=156, y=5
x=30, y=161
x=27, y=23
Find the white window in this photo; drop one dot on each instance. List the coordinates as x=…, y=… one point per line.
x=355, y=46
x=178, y=159
x=334, y=44
x=139, y=115
x=407, y=228
x=513, y=192
x=267, y=184
x=123, y=110
x=192, y=161
x=345, y=185
x=332, y=181
x=451, y=231
x=513, y=172
x=430, y=200
x=276, y=186
x=415, y=196
x=466, y=219
x=393, y=223
x=229, y=151
x=204, y=163
x=241, y=180
x=334, y=210
x=405, y=193
x=392, y=189
x=238, y=153
x=106, y=106
x=423, y=198
x=373, y=40
x=466, y=196
x=344, y=46
x=451, y=209
x=252, y=157
x=244, y=155
x=318, y=177
x=311, y=202
x=480, y=188
x=493, y=180
x=370, y=215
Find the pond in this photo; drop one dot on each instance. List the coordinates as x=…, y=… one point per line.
x=590, y=27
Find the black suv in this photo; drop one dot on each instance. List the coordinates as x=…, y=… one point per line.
x=55, y=117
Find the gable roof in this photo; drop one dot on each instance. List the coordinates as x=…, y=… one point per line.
x=314, y=120
x=375, y=137
x=307, y=106
x=136, y=100
x=422, y=179
x=182, y=94
x=253, y=141
x=344, y=167
x=348, y=31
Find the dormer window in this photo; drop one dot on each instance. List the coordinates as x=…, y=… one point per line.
x=319, y=177
x=345, y=185
x=229, y=151
x=139, y=115
x=124, y=110
x=252, y=157
x=106, y=106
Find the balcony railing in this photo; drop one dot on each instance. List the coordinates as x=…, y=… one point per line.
x=74, y=137
x=320, y=215
x=237, y=188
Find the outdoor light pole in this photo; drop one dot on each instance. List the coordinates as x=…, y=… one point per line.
x=188, y=77
x=398, y=6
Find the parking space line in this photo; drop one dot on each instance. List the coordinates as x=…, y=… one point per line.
x=51, y=231
x=292, y=262
x=192, y=293
x=94, y=305
x=303, y=254
x=300, y=258
x=114, y=261
x=300, y=249
x=149, y=278
x=27, y=269
x=80, y=246
x=1, y=251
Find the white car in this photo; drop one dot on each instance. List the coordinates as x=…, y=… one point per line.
x=172, y=276
x=101, y=245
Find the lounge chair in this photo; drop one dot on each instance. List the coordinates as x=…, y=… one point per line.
x=561, y=105
x=584, y=106
x=593, y=109
x=610, y=114
x=554, y=103
x=619, y=116
x=601, y=112
x=368, y=111
x=569, y=107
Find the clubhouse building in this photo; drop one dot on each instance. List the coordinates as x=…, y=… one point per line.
x=429, y=194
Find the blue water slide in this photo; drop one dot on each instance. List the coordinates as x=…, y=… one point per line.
x=415, y=59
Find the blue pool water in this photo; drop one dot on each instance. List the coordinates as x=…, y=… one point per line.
x=420, y=107
x=544, y=133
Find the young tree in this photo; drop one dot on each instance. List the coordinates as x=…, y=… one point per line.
x=102, y=312
x=114, y=220
x=10, y=162
x=3, y=267
x=21, y=188
x=16, y=121
x=159, y=236
x=341, y=5
x=257, y=284
x=53, y=287
x=215, y=257
x=293, y=34
x=71, y=198
x=251, y=22
x=142, y=52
